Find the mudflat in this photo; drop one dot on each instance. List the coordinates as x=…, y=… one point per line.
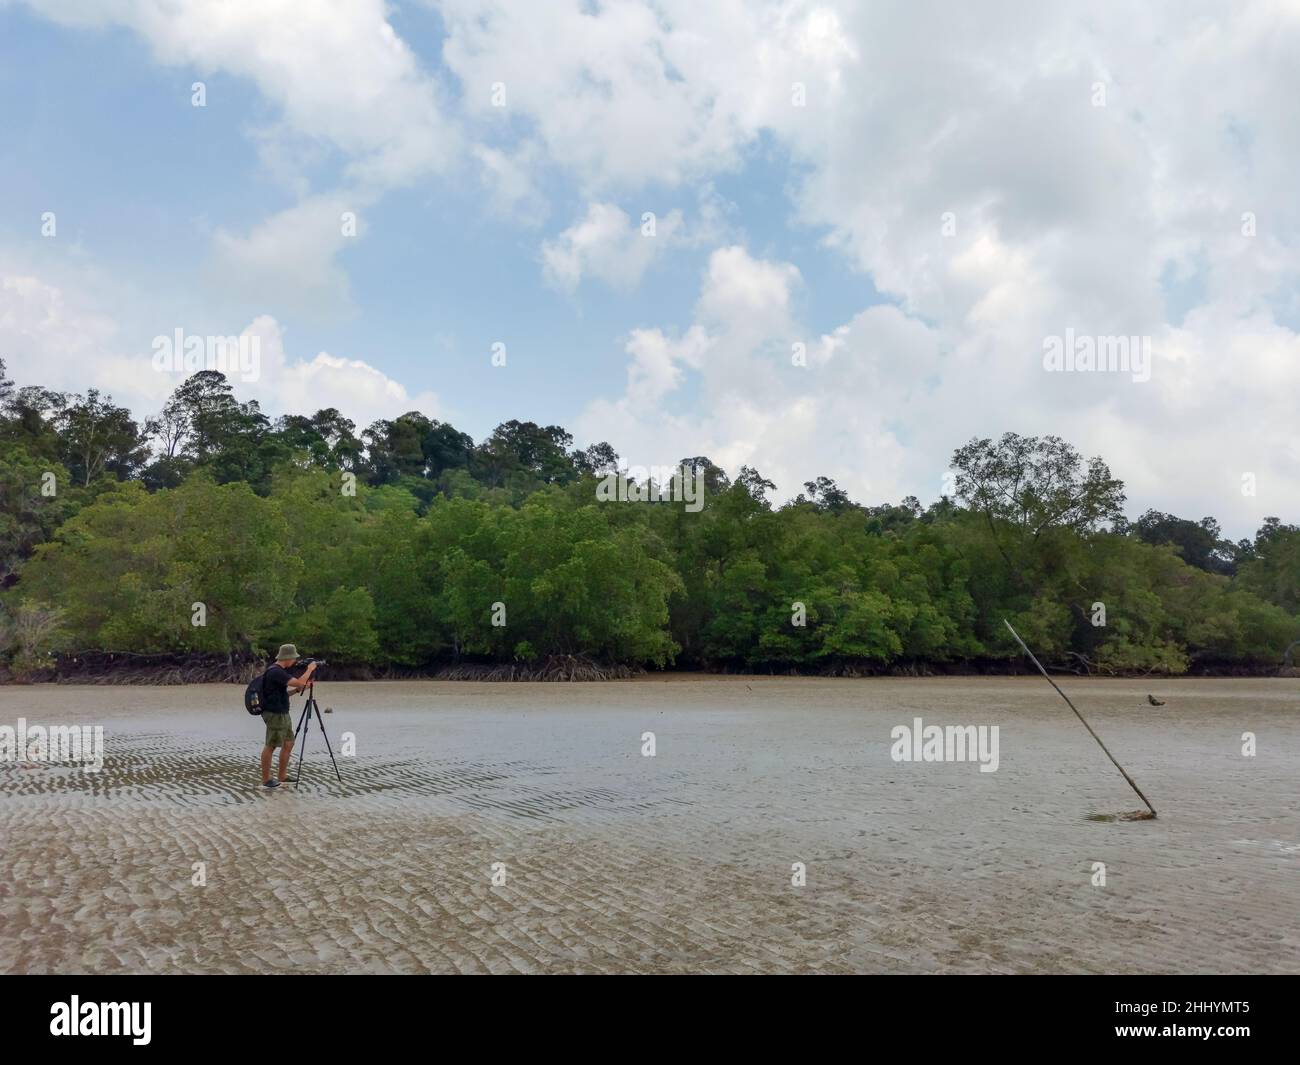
x=521, y=828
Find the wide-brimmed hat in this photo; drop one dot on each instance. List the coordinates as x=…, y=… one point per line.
x=287, y=651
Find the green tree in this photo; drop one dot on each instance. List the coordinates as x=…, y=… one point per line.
x=35, y=499
x=1199, y=542
x=1273, y=570
x=1027, y=486
x=131, y=569
x=98, y=437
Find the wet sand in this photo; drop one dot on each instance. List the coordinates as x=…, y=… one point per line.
x=681, y=862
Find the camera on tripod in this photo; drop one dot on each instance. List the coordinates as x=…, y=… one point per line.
x=311, y=709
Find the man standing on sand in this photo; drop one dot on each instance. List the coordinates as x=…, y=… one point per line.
x=277, y=683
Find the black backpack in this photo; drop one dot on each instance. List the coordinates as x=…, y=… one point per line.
x=253, y=695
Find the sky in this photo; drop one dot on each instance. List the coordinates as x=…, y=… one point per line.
x=816, y=238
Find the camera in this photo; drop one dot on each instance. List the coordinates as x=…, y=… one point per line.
x=302, y=664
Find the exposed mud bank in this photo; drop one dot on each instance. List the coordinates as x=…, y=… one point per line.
x=126, y=668
x=618, y=862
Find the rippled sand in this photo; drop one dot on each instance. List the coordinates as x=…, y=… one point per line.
x=615, y=862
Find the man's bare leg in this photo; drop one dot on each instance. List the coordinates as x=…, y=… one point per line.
x=266, y=763
x=286, y=752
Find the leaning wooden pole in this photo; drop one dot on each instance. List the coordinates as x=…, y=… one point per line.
x=1071, y=705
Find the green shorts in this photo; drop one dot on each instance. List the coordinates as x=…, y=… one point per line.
x=279, y=729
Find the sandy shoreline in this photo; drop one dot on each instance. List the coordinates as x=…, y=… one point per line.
x=615, y=862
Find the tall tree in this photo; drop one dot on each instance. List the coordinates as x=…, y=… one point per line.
x=34, y=502
x=716, y=480
x=825, y=494
x=1034, y=484
x=206, y=404
x=1273, y=570
x=28, y=422
x=170, y=426
x=539, y=452
x=598, y=459
x=755, y=483
x=1199, y=542
x=445, y=448
x=394, y=449
x=98, y=437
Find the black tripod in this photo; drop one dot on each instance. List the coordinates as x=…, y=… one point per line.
x=304, y=726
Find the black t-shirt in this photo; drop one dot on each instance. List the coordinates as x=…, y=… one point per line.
x=275, y=690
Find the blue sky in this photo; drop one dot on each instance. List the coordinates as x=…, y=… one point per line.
x=786, y=219
x=140, y=178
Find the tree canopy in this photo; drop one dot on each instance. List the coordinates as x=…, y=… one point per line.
x=409, y=544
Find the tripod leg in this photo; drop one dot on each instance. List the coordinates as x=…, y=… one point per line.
x=304, y=724
x=321, y=722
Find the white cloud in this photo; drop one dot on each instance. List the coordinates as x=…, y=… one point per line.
x=657, y=363
x=336, y=69
x=57, y=339
x=631, y=93
x=743, y=293
x=885, y=398
x=1066, y=214
x=294, y=385
x=41, y=330
x=339, y=76
x=608, y=245
x=729, y=388
x=508, y=176
x=288, y=261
